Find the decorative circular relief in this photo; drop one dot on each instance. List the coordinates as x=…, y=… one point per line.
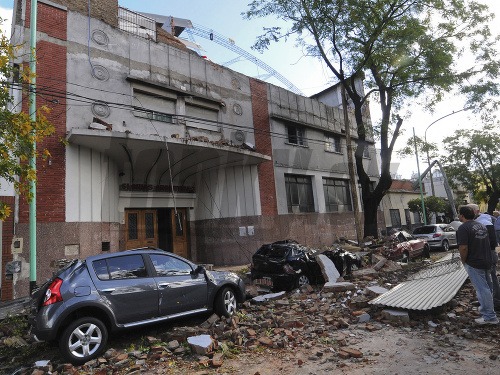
x=239, y=136
x=100, y=109
x=100, y=37
x=100, y=72
x=237, y=109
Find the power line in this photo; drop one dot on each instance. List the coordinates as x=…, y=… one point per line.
x=86, y=100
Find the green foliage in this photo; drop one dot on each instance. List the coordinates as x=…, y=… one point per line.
x=432, y=205
x=18, y=133
x=474, y=162
x=423, y=148
x=404, y=50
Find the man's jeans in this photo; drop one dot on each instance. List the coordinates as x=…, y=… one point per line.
x=479, y=279
x=493, y=281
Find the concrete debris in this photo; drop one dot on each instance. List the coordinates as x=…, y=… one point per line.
x=15, y=342
x=268, y=297
x=338, y=287
x=396, y=315
x=325, y=322
x=202, y=344
x=330, y=272
x=380, y=264
x=363, y=318
x=375, y=290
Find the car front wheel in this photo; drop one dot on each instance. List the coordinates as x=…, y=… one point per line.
x=225, y=303
x=427, y=252
x=406, y=257
x=303, y=280
x=83, y=340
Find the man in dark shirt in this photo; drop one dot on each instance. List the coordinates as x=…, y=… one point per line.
x=475, y=253
x=487, y=221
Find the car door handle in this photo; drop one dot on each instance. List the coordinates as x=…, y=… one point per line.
x=164, y=285
x=109, y=290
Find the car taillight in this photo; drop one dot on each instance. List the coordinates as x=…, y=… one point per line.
x=435, y=235
x=53, y=293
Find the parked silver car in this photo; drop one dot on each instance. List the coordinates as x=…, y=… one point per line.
x=440, y=236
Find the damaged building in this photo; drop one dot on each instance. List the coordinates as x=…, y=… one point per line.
x=167, y=149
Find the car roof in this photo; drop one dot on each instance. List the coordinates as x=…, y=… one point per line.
x=142, y=250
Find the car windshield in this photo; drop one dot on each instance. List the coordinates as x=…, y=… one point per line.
x=273, y=252
x=425, y=230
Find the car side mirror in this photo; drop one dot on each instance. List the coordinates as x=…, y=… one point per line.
x=199, y=269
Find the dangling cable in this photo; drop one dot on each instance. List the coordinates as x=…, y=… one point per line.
x=172, y=185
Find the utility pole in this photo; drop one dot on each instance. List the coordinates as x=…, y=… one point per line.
x=419, y=180
x=350, y=163
x=32, y=109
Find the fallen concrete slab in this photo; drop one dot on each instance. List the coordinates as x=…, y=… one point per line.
x=330, y=272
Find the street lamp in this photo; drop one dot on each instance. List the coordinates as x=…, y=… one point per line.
x=425, y=139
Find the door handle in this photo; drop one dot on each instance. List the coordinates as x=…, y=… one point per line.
x=164, y=285
x=109, y=290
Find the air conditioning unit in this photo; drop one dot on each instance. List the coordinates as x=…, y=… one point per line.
x=238, y=137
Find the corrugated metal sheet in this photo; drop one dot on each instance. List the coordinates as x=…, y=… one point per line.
x=429, y=288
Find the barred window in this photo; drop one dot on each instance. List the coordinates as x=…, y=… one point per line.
x=296, y=135
x=395, y=218
x=299, y=194
x=337, y=195
x=332, y=143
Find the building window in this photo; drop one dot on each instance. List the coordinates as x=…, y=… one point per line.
x=408, y=218
x=153, y=106
x=337, y=195
x=200, y=117
x=395, y=218
x=332, y=143
x=153, y=115
x=299, y=194
x=296, y=135
x=416, y=218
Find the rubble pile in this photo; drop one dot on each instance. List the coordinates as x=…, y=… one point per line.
x=326, y=324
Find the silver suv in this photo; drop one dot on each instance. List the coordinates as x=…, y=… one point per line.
x=87, y=299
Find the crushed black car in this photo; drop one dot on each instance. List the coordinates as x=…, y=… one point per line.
x=285, y=265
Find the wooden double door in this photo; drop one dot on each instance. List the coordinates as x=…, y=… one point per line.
x=164, y=228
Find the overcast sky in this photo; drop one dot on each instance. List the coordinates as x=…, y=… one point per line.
x=307, y=74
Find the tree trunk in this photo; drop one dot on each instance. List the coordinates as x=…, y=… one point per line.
x=493, y=201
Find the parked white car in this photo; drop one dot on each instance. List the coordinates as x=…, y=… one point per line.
x=440, y=236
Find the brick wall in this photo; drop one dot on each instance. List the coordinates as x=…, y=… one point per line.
x=50, y=20
x=105, y=10
x=51, y=89
x=6, y=237
x=263, y=145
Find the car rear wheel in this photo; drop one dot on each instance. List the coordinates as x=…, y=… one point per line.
x=302, y=280
x=446, y=245
x=83, y=340
x=225, y=303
